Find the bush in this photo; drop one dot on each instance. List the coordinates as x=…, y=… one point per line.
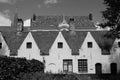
x=11, y=67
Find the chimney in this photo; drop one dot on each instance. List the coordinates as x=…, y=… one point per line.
x=19, y=25
x=34, y=17
x=72, y=27
x=14, y=24
x=90, y=16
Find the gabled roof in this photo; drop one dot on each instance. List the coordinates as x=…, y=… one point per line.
x=14, y=40
x=52, y=22
x=103, y=41
x=74, y=40
x=44, y=40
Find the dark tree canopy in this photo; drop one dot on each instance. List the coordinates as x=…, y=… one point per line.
x=112, y=15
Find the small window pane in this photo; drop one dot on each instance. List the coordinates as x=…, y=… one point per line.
x=65, y=67
x=29, y=45
x=118, y=44
x=60, y=45
x=89, y=44
x=0, y=45
x=70, y=68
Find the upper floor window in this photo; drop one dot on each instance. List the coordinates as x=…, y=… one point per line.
x=0, y=45
x=71, y=19
x=82, y=65
x=118, y=44
x=89, y=44
x=29, y=45
x=60, y=45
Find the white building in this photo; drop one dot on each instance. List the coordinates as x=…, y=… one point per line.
x=69, y=44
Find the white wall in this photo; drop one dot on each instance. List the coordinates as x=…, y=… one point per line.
x=56, y=55
x=5, y=49
x=115, y=54
x=91, y=54
x=54, y=62
x=33, y=53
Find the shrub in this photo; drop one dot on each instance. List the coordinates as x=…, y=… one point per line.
x=11, y=67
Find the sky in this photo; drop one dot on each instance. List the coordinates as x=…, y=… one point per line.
x=26, y=8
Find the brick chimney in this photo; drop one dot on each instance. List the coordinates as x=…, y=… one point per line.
x=90, y=16
x=19, y=25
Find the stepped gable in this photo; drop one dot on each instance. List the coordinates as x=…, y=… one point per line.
x=103, y=41
x=14, y=40
x=52, y=22
x=75, y=41
x=44, y=40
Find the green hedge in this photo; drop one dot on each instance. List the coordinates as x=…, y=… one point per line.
x=46, y=76
x=11, y=67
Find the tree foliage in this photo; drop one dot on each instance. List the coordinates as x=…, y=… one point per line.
x=112, y=16
x=112, y=13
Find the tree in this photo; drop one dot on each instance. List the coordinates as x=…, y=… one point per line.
x=112, y=16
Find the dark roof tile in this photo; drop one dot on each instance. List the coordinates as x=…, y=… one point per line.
x=103, y=41
x=52, y=22
x=74, y=40
x=44, y=40
x=14, y=40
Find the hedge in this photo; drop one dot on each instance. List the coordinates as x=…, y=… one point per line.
x=11, y=67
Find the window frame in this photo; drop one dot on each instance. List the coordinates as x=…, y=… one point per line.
x=90, y=44
x=118, y=44
x=29, y=45
x=60, y=45
x=0, y=45
x=68, y=64
x=82, y=65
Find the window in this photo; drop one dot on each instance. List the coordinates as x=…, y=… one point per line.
x=29, y=45
x=71, y=19
x=118, y=44
x=89, y=44
x=82, y=65
x=67, y=65
x=60, y=45
x=0, y=45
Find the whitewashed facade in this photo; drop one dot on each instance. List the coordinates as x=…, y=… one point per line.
x=73, y=49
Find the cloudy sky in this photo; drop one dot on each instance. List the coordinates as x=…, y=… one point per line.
x=26, y=8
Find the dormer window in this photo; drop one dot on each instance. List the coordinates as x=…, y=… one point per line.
x=89, y=44
x=71, y=19
x=118, y=44
x=0, y=45
x=29, y=45
x=60, y=45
